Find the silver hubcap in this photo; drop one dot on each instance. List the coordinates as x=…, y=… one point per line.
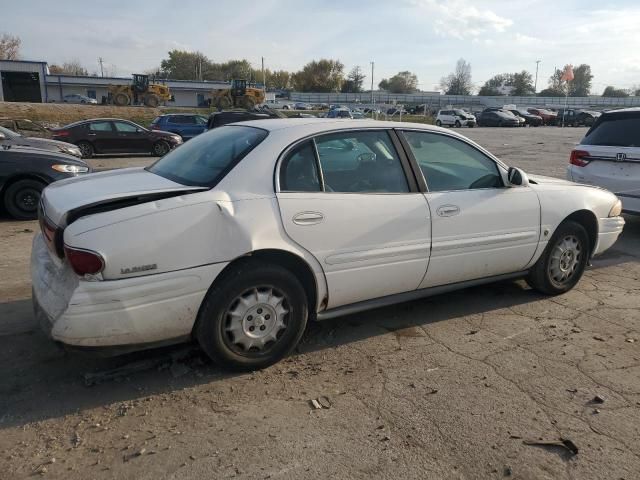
x=565, y=258
x=255, y=318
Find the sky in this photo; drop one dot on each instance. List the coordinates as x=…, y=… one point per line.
x=426, y=37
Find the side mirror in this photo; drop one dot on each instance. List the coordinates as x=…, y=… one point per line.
x=517, y=178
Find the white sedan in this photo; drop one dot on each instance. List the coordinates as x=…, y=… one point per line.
x=240, y=236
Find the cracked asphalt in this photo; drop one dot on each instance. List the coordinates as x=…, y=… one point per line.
x=456, y=386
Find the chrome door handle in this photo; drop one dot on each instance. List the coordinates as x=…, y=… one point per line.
x=448, y=210
x=91, y=134
x=308, y=218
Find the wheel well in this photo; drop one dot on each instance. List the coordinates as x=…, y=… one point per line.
x=588, y=220
x=291, y=262
x=23, y=176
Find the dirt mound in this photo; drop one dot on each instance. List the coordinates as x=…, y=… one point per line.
x=58, y=114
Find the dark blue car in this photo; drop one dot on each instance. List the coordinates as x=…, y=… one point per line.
x=186, y=125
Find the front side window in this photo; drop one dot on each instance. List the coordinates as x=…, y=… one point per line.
x=299, y=170
x=100, y=126
x=26, y=125
x=451, y=164
x=206, y=159
x=125, y=127
x=360, y=162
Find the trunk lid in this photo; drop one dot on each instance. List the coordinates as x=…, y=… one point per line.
x=99, y=189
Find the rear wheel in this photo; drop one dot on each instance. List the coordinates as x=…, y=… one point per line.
x=563, y=262
x=224, y=102
x=254, y=317
x=160, y=148
x=438, y=123
x=121, y=99
x=22, y=197
x=86, y=149
x=458, y=124
x=248, y=103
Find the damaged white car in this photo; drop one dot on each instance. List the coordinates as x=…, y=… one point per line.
x=240, y=236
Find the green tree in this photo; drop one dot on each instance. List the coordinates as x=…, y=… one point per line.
x=279, y=79
x=319, y=76
x=9, y=47
x=550, y=92
x=611, y=91
x=402, y=82
x=490, y=87
x=556, y=86
x=459, y=81
x=522, y=83
x=183, y=65
x=354, y=81
x=580, y=86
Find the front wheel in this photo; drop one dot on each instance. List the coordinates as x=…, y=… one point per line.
x=22, y=197
x=252, y=318
x=86, y=149
x=161, y=148
x=563, y=262
x=438, y=123
x=458, y=124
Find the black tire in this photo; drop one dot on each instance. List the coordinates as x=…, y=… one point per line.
x=152, y=100
x=457, y=124
x=121, y=99
x=160, y=148
x=438, y=123
x=86, y=149
x=215, y=316
x=541, y=276
x=22, y=197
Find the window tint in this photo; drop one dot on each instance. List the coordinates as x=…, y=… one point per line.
x=299, y=172
x=200, y=120
x=182, y=119
x=7, y=124
x=25, y=125
x=616, y=130
x=206, y=159
x=125, y=127
x=364, y=161
x=100, y=126
x=451, y=164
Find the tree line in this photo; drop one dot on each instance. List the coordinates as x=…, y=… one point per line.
x=328, y=75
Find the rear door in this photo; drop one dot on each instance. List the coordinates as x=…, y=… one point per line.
x=349, y=198
x=613, y=148
x=480, y=228
x=100, y=133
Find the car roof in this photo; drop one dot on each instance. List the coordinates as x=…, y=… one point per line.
x=88, y=120
x=319, y=125
x=624, y=110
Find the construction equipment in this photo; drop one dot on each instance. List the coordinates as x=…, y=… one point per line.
x=139, y=91
x=240, y=95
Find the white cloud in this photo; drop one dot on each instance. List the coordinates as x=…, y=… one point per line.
x=460, y=20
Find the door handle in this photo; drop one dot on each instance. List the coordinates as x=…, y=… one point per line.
x=91, y=134
x=308, y=218
x=448, y=210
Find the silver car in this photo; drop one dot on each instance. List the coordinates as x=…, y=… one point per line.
x=77, y=98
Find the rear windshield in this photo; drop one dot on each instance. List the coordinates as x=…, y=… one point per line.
x=206, y=159
x=615, y=130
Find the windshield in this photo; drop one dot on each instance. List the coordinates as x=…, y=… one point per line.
x=9, y=133
x=206, y=159
x=460, y=112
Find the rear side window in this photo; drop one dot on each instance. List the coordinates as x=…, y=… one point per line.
x=615, y=130
x=299, y=170
x=206, y=159
x=100, y=126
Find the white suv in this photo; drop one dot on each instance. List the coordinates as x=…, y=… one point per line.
x=455, y=118
x=609, y=156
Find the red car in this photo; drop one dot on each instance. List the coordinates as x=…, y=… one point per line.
x=548, y=117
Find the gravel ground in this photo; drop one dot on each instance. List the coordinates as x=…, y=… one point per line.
x=453, y=386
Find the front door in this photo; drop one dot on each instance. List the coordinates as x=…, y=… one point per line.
x=480, y=228
x=130, y=138
x=102, y=136
x=345, y=197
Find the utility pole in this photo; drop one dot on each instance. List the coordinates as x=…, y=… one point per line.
x=372, y=65
x=535, y=86
x=101, y=69
x=264, y=79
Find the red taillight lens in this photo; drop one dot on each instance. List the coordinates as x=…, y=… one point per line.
x=579, y=158
x=61, y=133
x=84, y=262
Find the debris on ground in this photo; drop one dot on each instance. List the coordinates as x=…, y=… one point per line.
x=597, y=399
x=597, y=337
x=315, y=404
x=563, y=443
x=320, y=402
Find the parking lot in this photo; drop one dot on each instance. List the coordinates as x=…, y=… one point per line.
x=472, y=384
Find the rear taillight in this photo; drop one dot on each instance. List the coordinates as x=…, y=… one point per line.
x=84, y=262
x=579, y=158
x=61, y=133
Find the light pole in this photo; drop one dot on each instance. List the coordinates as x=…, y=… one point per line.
x=535, y=86
x=372, y=64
